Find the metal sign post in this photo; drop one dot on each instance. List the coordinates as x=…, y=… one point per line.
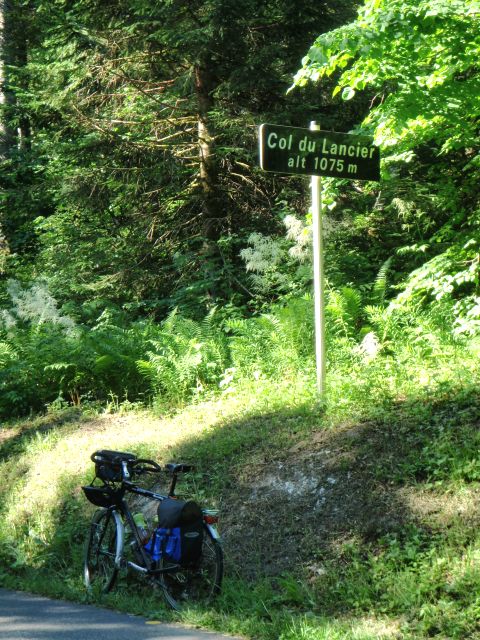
x=318, y=153
x=318, y=277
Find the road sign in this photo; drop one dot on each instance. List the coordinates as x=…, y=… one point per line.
x=318, y=153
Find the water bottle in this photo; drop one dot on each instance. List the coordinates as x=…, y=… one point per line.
x=141, y=525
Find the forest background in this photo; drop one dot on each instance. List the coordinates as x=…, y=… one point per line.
x=130, y=191
x=147, y=261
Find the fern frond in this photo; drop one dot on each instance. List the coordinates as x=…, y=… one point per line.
x=59, y=366
x=237, y=326
x=345, y=310
x=6, y=353
x=352, y=304
x=380, y=285
x=169, y=323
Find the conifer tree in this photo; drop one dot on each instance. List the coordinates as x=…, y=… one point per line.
x=144, y=118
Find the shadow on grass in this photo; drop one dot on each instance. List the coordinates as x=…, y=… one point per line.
x=296, y=497
x=14, y=438
x=346, y=511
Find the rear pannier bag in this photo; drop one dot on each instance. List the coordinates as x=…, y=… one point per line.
x=179, y=535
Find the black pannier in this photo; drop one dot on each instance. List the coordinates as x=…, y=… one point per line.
x=175, y=513
x=179, y=535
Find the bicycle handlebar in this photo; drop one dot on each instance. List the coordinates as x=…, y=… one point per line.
x=127, y=463
x=113, y=457
x=147, y=466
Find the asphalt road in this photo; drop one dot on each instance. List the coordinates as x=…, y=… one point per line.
x=28, y=617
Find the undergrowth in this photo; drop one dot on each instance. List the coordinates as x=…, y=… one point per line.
x=411, y=388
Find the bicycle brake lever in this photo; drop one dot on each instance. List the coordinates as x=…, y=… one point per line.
x=126, y=472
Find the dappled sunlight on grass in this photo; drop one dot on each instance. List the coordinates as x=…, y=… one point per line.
x=55, y=461
x=364, y=508
x=368, y=628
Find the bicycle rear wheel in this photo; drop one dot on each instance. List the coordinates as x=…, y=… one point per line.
x=103, y=551
x=198, y=584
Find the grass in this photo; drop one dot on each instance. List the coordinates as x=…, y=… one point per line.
x=402, y=429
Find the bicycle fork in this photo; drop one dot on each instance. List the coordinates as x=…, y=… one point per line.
x=119, y=537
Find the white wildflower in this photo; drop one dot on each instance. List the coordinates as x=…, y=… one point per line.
x=301, y=234
x=369, y=347
x=35, y=305
x=264, y=253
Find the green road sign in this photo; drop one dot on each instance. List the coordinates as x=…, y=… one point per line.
x=318, y=153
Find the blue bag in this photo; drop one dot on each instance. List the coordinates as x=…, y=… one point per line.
x=165, y=543
x=179, y=536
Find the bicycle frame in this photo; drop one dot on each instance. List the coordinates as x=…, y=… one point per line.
x=125, y=510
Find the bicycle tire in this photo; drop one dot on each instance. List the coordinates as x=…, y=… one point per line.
x=197, y=585
x=103, y=551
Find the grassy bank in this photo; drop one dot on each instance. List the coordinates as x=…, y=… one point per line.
x=370, y=500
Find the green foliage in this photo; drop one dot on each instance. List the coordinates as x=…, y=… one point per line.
x=113, y=202
x=344, y=309
x=417, y=62
x=185, y=357
x=45, y=356
x=422, y=55
x=408, y=573
x=381, y=283
x=277, y=344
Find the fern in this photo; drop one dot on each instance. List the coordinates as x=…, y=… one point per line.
x=148, y=370
x=380, y=285
x=185, y=357
x=7, y=353
x=276, y=343
x=59, y=366
x=352, y=306
x=237, y=326
x=345, y=310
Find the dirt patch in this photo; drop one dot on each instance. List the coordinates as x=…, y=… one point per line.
x=7, y=434
x=325, y=491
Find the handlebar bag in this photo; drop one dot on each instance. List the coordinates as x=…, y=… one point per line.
x=108, y=464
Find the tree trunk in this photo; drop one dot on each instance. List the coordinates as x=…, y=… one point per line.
x=208, y=172
x=24, y=129
x=7, y=98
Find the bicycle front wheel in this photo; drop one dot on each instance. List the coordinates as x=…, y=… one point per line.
x=103, y=551
x=199, y=584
